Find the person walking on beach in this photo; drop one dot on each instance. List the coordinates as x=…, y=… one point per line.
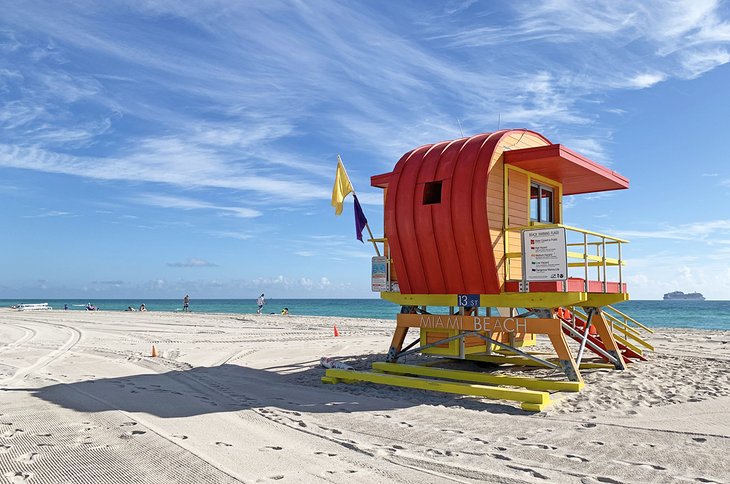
x=261, y=301
x=186, y=303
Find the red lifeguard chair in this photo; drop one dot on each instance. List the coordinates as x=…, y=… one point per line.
x=477, y=255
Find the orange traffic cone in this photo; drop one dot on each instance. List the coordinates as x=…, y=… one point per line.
x=337, y=333
x=154, y=352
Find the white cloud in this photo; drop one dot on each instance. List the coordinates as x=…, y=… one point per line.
x=336, y=45
x=165, y=161
x=698, y=231
x=231, y=235
x=192, y=204
x=49, y=213
x=698, y=62
x=642, y=81
x=192, y=262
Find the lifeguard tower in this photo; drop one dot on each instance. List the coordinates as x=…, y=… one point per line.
x=478, y=258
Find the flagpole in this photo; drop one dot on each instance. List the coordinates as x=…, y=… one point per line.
x=367, y=226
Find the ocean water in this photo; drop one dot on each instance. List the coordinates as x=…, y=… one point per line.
x=672, y=314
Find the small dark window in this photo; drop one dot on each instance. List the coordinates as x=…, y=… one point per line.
x=432, y=193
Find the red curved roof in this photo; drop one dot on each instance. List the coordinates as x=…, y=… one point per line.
x=443, y=248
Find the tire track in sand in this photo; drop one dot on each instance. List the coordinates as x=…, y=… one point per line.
x=30, y=333
x=73, y=338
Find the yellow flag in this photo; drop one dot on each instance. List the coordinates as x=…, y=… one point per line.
x=342, y=187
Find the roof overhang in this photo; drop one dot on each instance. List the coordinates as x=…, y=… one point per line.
x=380, y=181
x=576, y=173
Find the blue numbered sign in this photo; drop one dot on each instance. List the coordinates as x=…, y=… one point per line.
x=463, y=300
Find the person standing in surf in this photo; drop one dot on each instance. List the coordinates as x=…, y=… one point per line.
x=261, y=301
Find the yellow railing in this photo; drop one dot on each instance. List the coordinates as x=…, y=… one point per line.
x=580, y=243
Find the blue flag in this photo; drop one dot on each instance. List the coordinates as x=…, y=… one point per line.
x=360, y=220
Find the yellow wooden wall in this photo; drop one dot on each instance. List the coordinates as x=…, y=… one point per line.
x=518, y=215
x=519, y=210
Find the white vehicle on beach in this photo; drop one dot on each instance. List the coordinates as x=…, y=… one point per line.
x=32, y=307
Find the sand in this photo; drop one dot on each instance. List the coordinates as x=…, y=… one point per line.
x=238, y=398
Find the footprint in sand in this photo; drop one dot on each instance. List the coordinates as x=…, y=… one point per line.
x=45, y=444
x=405, y=424
x=386, y=452
x=576, y=458
x=529, y=471
x=348, y=471
x=28, y=458
x=272, y=447
x=699, y=439
x=18, y=477
x=541, y=446
x=223, y=444
x=276, y=478
x=501, y=457
x=9, y=434
x=5, y=448
x=180, y=436
x=606, y=480
x=642, y=444
x=132, y=434
x=323, y=453
x=438, y=453
x=642, y=464
x=477, y=439
x=452, y=431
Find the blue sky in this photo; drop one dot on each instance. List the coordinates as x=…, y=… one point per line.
x=157, y=148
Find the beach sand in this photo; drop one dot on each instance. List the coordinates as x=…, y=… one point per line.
x=238, y=398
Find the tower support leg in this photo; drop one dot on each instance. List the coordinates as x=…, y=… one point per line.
x=604, y=331
x=396, y=344
x=567, y=363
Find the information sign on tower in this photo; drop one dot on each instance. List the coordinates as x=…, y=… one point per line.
x=545, y=255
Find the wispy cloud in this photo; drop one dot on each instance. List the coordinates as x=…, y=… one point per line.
x=698, y=62
x=182, y=203
x=283, y=282
x=231, y=235
x=244, y=121
x=335, y=247
x=642, y=81
x=49, y=213
x=699, y=231
x=192, y=262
